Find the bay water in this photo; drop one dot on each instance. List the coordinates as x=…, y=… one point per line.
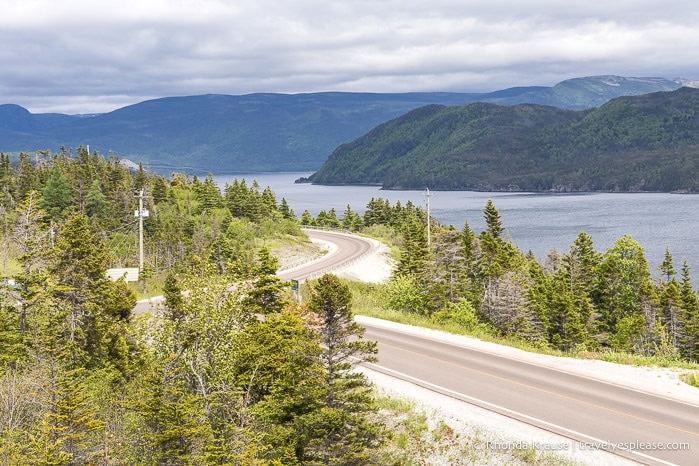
x=533, y=221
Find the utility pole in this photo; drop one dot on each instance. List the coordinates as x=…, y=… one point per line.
x=4, y=242
x=427, y=195
x=140, y=213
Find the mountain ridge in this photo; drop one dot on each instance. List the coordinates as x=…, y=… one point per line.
x=265, y=131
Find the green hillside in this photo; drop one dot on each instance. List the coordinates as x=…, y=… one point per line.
x=641, y=143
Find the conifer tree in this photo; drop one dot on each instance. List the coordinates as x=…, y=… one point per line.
x=267, y=295
x=159, y=189
x=414, y=249
x=79, y=266
x=307, y=218
x=141, y=177
x=56, y=194
x=672, y=316
x=96, y=202
x=689, y=346
x=269, y=201
x=286, y=211
x=580, y=271
x=27, y=178
x=208, y=194
x=666, y=267
x=351, y=220
x=626, y=296
x=340, y=433
x=492, y=220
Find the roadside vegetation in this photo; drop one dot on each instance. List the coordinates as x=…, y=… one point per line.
x=583, y=303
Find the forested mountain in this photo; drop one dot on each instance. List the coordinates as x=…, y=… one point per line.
x=268, y=132
x=639, y=143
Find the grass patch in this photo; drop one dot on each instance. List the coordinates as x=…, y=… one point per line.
x=152, y=286
x=387, y=236
x=637, y=360
x=691, y=378
x=10, y=268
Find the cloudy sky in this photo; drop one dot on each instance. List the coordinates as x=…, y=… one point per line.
x=83, y=56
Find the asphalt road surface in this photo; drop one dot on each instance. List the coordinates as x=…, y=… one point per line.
x=349, y=248
x=642, y=427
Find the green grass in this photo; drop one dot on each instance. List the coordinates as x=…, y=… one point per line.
x=9, y=267
x=637, y=360
x=691, y=378
x=151, y=287
x=387, y=236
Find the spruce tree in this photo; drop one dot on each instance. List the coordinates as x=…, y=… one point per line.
x=79, y=267
x=341, y=432
x=267, y=294
x=307, y=219
x=666, y=267
x=492, y=220
x=286, y=211
x=28, y=180
x=56, y=194
x=689, y=346
x=414, y=253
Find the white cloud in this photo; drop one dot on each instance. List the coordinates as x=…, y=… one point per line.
x=79, y=55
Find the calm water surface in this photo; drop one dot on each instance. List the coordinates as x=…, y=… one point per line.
x=536, y=222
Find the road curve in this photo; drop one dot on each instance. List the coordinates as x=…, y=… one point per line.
x=595, y=413
x=349, y=248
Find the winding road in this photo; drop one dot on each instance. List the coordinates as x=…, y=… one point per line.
x=347, y=248
x=643, y=427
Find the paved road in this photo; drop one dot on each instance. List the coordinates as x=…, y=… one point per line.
x=576, y=407
x=349, y=248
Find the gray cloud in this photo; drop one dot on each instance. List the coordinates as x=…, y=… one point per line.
x=79, y=56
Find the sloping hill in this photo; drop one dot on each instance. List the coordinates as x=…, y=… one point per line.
x=641, y=143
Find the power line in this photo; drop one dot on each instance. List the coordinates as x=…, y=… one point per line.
x=427, y=194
